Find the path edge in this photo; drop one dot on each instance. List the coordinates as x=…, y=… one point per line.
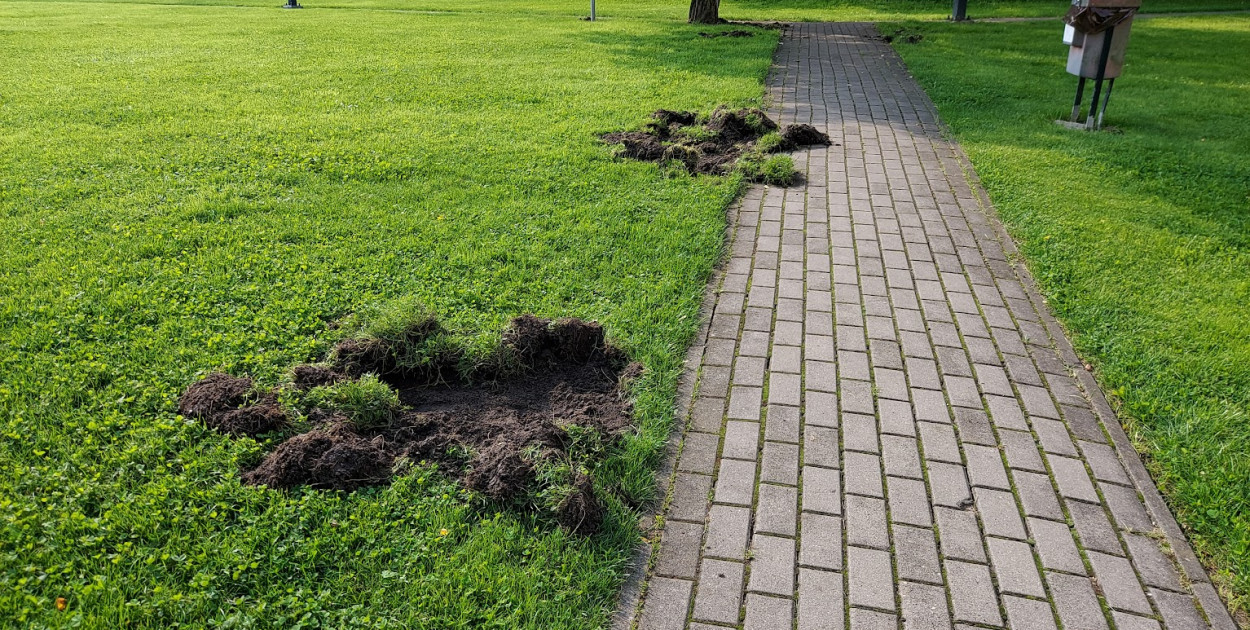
x=1214, y=607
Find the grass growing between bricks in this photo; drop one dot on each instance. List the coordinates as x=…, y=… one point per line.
x=1139, y=238
x=188, y=189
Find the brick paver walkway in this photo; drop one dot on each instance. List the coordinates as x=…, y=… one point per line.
x=888, y=430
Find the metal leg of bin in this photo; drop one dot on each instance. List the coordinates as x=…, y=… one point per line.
x=1091, y=119
x=1106, y=99
x=1076, y=105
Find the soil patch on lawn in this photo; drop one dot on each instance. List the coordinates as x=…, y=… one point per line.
x=711, y=145
x=527, y=434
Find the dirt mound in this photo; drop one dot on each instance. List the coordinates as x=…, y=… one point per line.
x=805, y=135
x=711, y=148
x=214, y=394
x=337, y=460
x=733, y=33
x=309, y=376
x=220, y=401
x=499, y=435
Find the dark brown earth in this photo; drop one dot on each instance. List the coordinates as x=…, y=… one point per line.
x=220, y=400
x=733, y=33
x=713, y=148
x=490, y=433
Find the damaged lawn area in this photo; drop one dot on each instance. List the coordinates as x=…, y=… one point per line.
x=191, y=190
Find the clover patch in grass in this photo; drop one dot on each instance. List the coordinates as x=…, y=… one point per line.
x=524, y=425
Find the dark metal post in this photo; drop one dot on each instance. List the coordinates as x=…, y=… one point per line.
x=1076, y=105
x=959, y=11
x=1106, y=99
x=292, y=4
x=1091, y=119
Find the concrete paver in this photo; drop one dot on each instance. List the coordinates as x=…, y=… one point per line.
x=890, y=431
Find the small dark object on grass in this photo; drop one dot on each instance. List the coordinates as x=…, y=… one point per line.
x=903, y=36
x=733, y=33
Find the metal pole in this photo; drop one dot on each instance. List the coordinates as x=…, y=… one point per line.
x=592, y=10
x=1106, y=99
x=1091, y=119
x=959, y=12
x=1076, y=105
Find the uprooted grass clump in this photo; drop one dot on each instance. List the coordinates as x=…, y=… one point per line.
x=727, y=139
x=524, y=426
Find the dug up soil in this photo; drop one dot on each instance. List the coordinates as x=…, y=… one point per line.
x=492, y=432
x=712, y=146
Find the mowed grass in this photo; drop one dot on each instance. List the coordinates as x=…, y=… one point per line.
x=187, y=189
x=1140, y=239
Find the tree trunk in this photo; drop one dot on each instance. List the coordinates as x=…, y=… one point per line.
x=705, y=12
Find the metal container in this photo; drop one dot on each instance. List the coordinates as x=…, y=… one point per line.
x=1087, y=37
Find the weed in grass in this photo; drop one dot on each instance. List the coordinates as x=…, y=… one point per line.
x=366, y=402
x=775, y=170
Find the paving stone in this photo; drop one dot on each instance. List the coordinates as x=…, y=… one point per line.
x=1118, y=583
x=939, y=443
x=666, y=604
x=1028, y=614
x=1056, y=547
x=753, y=343
x=707, y=414
x=820, y=376
x=1075, y=600
x=962, y=392
x=1053, y=437
x=698, y=453
x=999, y=513
x=974, y=601
x=820, y=600
x=915, y=551
x=863, y=474
x=719, y=352
x=782, y=424
x=744, y=403
x=908, y=501
x=777, y=512
x=1155, y=568
x=864, y=619
x=1083, y=423
x=901, y=456
x=714, y=382
x=1125, y=621
x=1005, y=413
x=871, y=579
x=866, y=522
x=993, y=379
x=985, y=467
x=741, y=440
x=886, y=354
x=728, y=529
x=856, y=396
x=821, y=490
x=1093, y=528
x=787, y=359
x=735, y=482
x=974, y=427
x=930, y=406
x=821, y=409
x=679, y=549
x=859, y=433
x=1037, y=401
x=820, y=545
x=772, y=565
x=690, y=497
x=719, y=595
x=959, y=534
x=1021, y=451
x=783, y=389
x=1014, y=567
x=924, y=607
x=1037, y=495
x=1103, y=462
x=820, y=446
x=1178, y=611
x=948, y=485
x=788, y=333
x=896, y=417
x=922, y=373
x=890, y=384
x=780, y=463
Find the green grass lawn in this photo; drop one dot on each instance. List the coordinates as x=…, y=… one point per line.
x=193, y=188
x=1140, y=239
